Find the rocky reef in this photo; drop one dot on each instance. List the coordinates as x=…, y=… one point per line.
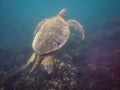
x=92, y=64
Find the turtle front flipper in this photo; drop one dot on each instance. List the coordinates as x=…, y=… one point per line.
x=48, y=63
x=30, y=60
x=39, y=25
x=77, y=26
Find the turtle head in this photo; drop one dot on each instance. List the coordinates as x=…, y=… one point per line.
x=62, y=13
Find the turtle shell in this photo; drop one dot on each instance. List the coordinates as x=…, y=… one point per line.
x=53, y=34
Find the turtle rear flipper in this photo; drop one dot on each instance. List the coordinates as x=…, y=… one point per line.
x=48, y=63
x=30, y=60
x=37, y=62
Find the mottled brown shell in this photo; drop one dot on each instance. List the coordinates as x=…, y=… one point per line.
x=53, y=34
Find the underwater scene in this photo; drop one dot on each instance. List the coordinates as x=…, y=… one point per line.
x=86, y=52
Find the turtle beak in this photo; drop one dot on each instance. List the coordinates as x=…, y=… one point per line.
x=64, y=10
x=62, y=13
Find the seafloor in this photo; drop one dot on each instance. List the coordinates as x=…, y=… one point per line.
x=92, y=64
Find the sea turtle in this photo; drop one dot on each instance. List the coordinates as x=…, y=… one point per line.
x=50, y=35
